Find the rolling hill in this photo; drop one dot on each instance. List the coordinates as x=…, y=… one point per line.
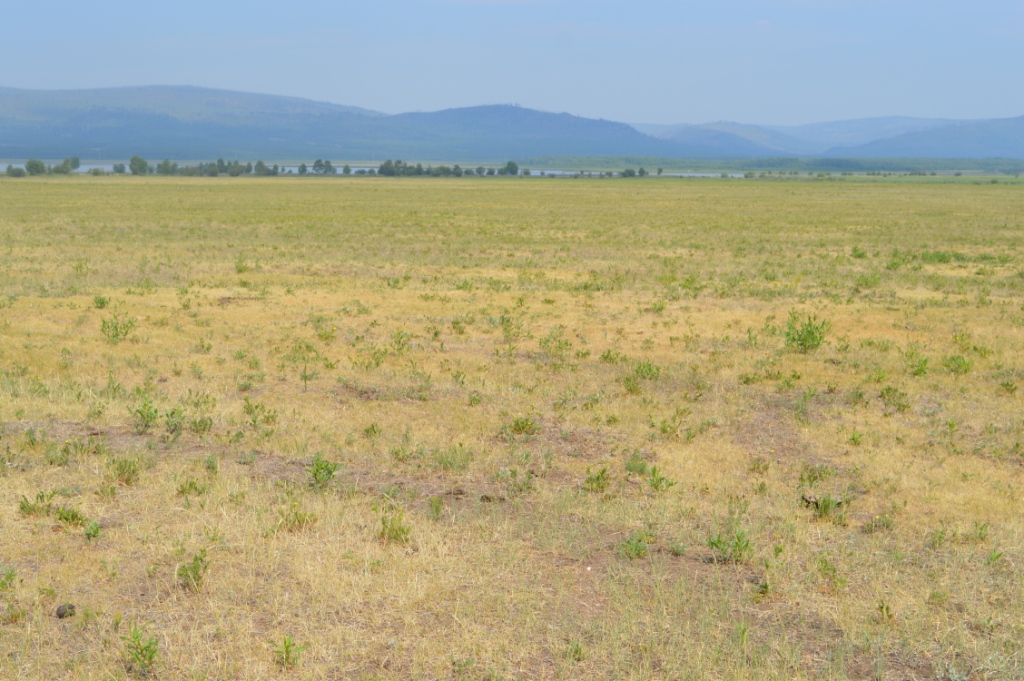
x=999, y=138
x=196, y=123
x=191, y=123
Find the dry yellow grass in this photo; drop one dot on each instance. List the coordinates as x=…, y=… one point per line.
x=497, y=366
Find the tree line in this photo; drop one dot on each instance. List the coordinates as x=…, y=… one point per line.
x=137, y=165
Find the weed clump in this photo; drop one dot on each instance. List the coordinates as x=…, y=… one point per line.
x=140, y=652
x=805, y=333
x=321, y=472
x=636, y=545
x=191, y=574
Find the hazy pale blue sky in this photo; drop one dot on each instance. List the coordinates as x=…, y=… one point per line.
x=784, y=61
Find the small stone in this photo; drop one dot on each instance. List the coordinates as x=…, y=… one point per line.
x=66, y=610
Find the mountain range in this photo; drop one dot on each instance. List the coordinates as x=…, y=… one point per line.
x=191, y=123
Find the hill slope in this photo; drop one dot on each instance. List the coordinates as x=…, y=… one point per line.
x=810, y=139
x=999, y=138
x=196, y=123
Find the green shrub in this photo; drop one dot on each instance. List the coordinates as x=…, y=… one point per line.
x=657, y=481
x=192, y=487
x=322, y=472
x=894, y=399
x=393, y=528
x=70, y=517
x=731, y=546
x=140, y=651
x=805, y=333
x=521, y=425
x=191, y=574
x=145, y=415
x=958, y=365
x=597, y=482
x=125, y=470
x=636, y=545
x=117, y=327
x=286, y=653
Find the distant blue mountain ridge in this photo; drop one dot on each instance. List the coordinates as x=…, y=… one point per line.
x=191, y=123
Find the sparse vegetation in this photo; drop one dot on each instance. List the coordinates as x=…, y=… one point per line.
x=537, y=428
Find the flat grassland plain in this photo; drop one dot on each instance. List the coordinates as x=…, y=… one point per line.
x=511, y=429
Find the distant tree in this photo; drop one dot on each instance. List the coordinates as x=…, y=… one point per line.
x=660, y=171
x=511, y=168
x=491, y=171
x=481, y=171
x=119, y=168
x=303, y=169
x=629, y=172
x=457, y=171
x=15, y=172
x=74, y=163
x=248, y=168
x=524, y=172
x=166, y=167
x=642, y=172
x=138, y=165
x=261, y=169
x=329, y=169
x=212, y=170
x=346, y=170
x=34, y=166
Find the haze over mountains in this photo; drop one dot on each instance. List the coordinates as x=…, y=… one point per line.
x=189, y=123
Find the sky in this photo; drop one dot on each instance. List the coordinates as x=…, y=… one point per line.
x=781, y=62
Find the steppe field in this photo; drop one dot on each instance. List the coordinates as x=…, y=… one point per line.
x=373, y=428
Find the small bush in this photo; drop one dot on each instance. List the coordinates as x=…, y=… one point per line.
x=805, y=333
x=731, y=546
x=38, y=507
x=455, y=458
x=894, y=399
x=812, y=474
x=192, y=487
x=637, y=464
x=140, y=651
x=636, y=545
x=70, y=517
x=657, y=481
x=125, y=470
x=322, y=472
x=191, y=574
x=117, y=327
x=286, y=653
x=596, y=482
x=522, y=425
x=294, y=519
x=145, y=415
x=393, y=528
x=516, y=484
x=958, y=365
x=647, y=371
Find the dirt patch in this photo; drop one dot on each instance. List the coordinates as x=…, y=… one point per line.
x=768, y=432
x=118, y=438
x=567, y=439
x=227, y=300
x=371, y=393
